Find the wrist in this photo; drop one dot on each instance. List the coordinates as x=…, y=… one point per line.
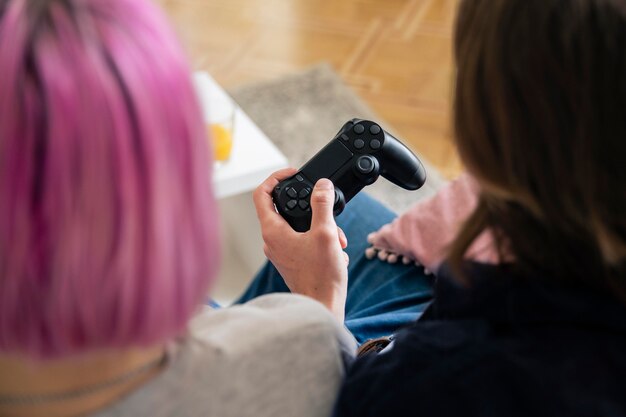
x=334, y=298
x=337, y=308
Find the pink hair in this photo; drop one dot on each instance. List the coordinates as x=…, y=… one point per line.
x=108, y=228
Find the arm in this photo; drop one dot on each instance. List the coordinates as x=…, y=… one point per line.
x=311, y=263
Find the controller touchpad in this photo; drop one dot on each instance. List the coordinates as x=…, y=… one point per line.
x=331, y=159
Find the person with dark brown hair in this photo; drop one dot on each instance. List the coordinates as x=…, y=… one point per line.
x=540, y=120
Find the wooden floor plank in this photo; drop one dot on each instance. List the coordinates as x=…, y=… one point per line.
x=396, y=54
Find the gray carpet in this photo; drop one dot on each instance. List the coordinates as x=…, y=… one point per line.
x=303, y=111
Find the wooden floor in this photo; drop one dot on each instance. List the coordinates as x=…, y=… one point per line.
x=396, y=54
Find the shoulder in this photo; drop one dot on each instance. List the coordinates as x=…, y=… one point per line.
x=277, y=355
x=449, y=368
x=282, y=354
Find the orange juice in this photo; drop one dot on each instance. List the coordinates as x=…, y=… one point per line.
x=222, y=141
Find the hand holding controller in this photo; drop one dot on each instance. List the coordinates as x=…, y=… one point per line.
x=358, y=154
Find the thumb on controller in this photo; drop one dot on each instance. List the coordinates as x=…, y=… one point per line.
x=322, y=202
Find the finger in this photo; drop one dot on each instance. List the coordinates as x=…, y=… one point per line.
x=347, y=258
x=343, y=240
x=322, y=202
x=262, y=197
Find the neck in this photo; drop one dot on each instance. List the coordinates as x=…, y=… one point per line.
x=20, y=377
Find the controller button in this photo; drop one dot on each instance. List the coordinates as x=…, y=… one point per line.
x=365, y=165
x=375, y=144
x=359, y=143
x=304, y=193
x=299, y=178
x=292, y=193
x=358, y=129
x=345, y=137
x=291, y=204
x=303, y=204
x=374, y=129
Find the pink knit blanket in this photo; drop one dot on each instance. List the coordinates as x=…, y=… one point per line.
x=424, y=232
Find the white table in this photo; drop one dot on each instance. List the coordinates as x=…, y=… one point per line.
x=253, y=156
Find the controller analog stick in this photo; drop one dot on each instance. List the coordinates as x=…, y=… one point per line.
x=365, y=164
x=340, y=202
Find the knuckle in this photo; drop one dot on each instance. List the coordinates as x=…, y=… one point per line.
x=267, y=236
x=324, y=234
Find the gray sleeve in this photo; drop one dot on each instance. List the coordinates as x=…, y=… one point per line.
x=277, y=355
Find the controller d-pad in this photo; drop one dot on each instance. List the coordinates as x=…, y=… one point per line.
x=297, y=195
x=291, y=192
x=291, y=204
x=304, y=193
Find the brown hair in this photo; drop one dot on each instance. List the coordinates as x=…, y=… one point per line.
x=540, y=120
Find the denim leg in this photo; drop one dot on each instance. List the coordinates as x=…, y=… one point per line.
x=266, y=281
x=382, y=297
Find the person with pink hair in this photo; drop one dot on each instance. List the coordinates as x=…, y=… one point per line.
x=109, y=236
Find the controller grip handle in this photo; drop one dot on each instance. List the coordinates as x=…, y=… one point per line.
x=399, y=165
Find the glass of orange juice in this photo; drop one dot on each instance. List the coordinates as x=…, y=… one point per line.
x=221, y=126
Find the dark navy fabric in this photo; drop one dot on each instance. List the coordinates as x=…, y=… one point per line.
x=382, y=297
x=500, y=345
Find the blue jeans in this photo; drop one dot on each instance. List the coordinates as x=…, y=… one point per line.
x=382, y=297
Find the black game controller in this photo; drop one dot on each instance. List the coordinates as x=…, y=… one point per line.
x=358, y=154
